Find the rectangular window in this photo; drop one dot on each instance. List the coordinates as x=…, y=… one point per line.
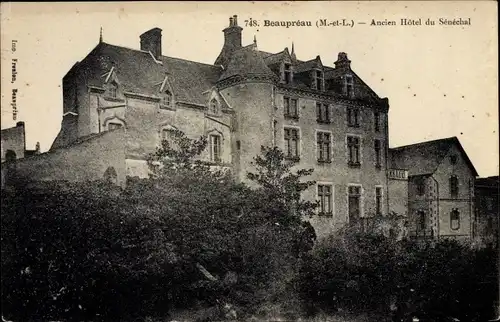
x=290, y=107
x=353, y=150
x=376, y=120
x=454, y=186
x=354, y=204
x=421, y=222
x=325, y=199
x=322, y=113
x=291, y=143
x=165, y=134
x=215, y=148
x=420, y=187
x=113, y=90
x=314, y=80
x=455, y=219
x=324, y=146
x=378, y=153
x=453, y=159
x=319, y=80
x=287, y=74
x=349, y=86
x=275, y=131
x=378, y=200
x=353, y=117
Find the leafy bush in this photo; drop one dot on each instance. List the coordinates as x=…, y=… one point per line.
x=188, y=237
x=373, y=273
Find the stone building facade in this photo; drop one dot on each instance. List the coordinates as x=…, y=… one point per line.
x=322, y=117
x=440, y=188
x=487, y=223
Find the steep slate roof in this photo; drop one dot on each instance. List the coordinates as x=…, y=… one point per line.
x=425, y=157
x=138, y=72
x=307, y=65
x=246, y=61
x=488, y=182
x=275, y=58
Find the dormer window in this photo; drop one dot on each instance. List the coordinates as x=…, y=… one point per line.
x=287, y=73
x=349, y=86
x=317, y=80
x=112, y=90
x=166, y=99
x=213, y=107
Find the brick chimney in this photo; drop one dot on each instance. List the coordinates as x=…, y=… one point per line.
x=232, y=41
x=151, y=41
x=343, y=62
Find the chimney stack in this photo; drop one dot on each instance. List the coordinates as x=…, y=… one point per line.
x=151, y=41
x=232, y=41
x=343, y=62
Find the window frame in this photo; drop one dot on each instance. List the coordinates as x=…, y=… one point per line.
x=214, y=107
x=455, y=217
x=322, y=113
x=379, y=199
x=291, y=138
x=421, y=224
x=353, y=116
x=326, y=137
x=377, y=146
x=349, y=85
x=353, y=141
x=358, y=195
x=321, y=196
x=420, y=186
x=215, y=157
x=287, y=73
x=287, y=107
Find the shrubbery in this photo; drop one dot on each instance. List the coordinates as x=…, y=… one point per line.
x=368, y=272
x=192, y=238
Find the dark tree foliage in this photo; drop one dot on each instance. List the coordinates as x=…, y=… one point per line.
x=370, y=272
x=189, y=236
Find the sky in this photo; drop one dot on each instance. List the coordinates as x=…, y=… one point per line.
x=441, y=80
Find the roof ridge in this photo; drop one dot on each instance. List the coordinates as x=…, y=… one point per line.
x=424, y=142
x=147, y=52
x=192, y=61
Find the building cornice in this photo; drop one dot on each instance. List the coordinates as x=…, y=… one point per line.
x=330, y=97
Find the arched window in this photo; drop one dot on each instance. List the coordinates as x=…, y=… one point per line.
x=213, y=107
x=113, y=90
x=10, y=156
x=166, y=99
x=455, y=219
x=110, y=175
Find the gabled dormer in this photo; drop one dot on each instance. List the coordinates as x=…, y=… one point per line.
x=113, y=90
x=215, y=104
x=286, y=69
x=166, y=94
x=342, y=80
x=312, y=73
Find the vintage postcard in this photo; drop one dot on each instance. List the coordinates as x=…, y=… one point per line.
x=201, y=161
